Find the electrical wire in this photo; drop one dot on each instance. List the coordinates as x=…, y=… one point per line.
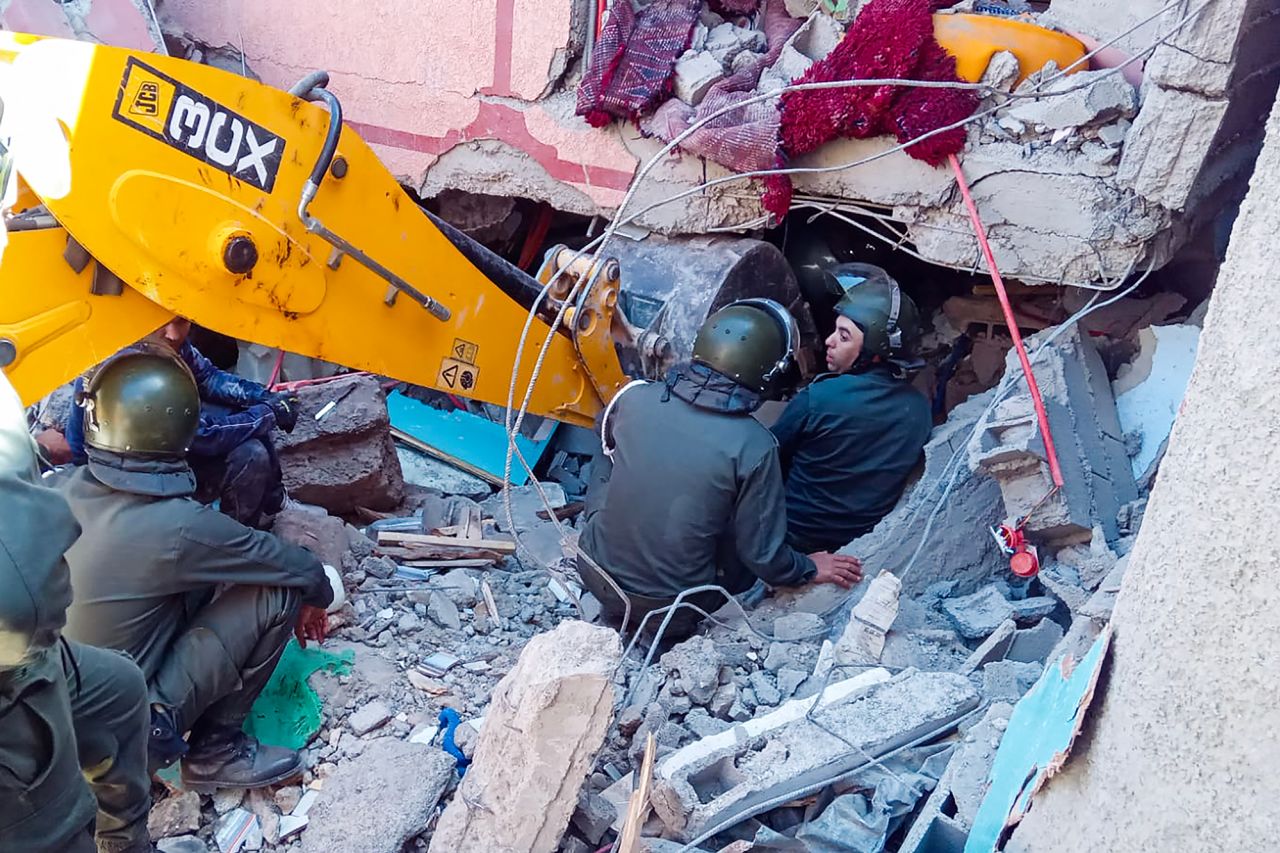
x=808, y=788
x=597, y=245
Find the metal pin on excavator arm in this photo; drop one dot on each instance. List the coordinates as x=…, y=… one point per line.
x=253, y=212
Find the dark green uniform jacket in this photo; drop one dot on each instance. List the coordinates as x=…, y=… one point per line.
x=695, y=492
x=62, y=706
x=148, y=551
x=848, y=443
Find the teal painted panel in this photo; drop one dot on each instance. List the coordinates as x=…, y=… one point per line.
x=1041, y=730
x=475, y=440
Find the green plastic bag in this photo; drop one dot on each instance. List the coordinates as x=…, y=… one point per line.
x=287, y=711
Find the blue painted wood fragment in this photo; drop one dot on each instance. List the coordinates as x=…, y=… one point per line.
x=477, y=441
x=1041, y=731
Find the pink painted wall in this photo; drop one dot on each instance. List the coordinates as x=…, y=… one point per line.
x=417, y=79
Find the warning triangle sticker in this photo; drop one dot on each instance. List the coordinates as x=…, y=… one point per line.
x=450, y=375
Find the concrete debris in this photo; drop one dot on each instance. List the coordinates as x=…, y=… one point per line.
x=430, y=476
x=541, y=734
x=1035, y=644
x=369, y=717
x=314, y=529
x=526, y=502
x=182, y=844
x=1008, y=680
x=863, y=639
x=954, y=553
x=696, y=664
x=1077, y=100
x=947, y=815
x=346, y=459
x=380, y=800
x=798, y=626
x=176, y=815
x=725, y=775
x=1082, y=419
x=1002, y=73
x=1091, y=561
x=980, y=614
x=993, y=648
x=696, y=73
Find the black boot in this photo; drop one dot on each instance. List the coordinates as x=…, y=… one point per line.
x=164, y=744
x=225, y=757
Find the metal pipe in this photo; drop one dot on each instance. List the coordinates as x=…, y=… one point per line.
x=315, y=226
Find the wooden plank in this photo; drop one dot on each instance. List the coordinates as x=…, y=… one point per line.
x=396, y=537
x=448, y=564
x=426, y=552
x=638, y=808
x=568, y=511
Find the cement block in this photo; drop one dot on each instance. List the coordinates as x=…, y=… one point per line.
x=1034, y=645
x=1104, y=97
x=993, y=648
x=347, y=458
x=978, y=615
x=707, y=782
x=696, y=73
x=1008, y=680
x=377, y=802
x=545, y=724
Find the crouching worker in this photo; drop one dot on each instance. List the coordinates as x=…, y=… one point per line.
x=73, y=719
x=688, y=489
x=204, y=604
x=232, y=455
x=850, y=441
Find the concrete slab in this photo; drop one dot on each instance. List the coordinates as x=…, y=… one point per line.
x=698, y=787
x=546, y=722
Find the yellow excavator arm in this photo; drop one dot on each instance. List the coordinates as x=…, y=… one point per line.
x=152, y=186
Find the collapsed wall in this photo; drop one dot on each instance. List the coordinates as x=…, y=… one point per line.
x=1081, y=187
x=1189, y=704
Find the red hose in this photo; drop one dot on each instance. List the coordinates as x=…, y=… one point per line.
x=1050, y=451
x=275, y=371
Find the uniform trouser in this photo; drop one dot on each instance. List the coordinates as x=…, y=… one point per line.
x=225, y=655
x=87, y=722
x=247, y=481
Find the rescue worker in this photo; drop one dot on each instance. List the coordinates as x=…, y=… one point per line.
x=687, y=489
x=204, y=604
x=232, y=456
x=850, y=440
x=73, y=719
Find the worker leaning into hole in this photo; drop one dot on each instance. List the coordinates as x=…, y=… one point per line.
x=851, y=439
x=687, y=490
x=73, y=719
x=232, y=455
x=204, y=604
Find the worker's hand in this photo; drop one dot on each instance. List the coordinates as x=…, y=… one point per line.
x=839, y=569
x=285, y=407
x=313, y=624
x=53, y=445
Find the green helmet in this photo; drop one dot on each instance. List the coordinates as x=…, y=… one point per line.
x=888, y=318
x=752, y=341
x=143, y=402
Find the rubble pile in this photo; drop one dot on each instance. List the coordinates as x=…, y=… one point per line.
x=479, y=708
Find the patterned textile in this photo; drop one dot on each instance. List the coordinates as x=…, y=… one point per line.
x=634, y=59
x=745, y=139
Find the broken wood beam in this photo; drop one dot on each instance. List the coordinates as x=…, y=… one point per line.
x=564, y=513
x=396, y=537
x=462, y=551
